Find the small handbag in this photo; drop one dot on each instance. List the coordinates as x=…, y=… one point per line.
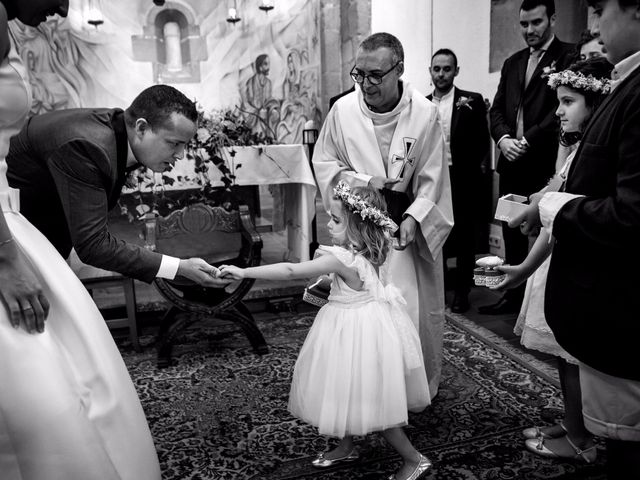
x=317, y=291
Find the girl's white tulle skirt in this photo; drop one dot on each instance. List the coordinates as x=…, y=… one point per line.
x=351, y=377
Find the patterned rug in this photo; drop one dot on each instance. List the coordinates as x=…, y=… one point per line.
x=220, y=413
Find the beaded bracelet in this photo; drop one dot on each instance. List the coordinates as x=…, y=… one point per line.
x=4, y=242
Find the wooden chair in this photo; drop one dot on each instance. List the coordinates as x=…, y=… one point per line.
x=218, y=236
x=97, y=278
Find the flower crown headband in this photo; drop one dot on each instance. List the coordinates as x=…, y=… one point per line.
x=579, y=81
x=357, y=204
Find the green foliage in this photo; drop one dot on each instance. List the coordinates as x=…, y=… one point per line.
x=221, y=128
x=216, y=132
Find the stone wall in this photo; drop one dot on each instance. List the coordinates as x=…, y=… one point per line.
x=343, y=25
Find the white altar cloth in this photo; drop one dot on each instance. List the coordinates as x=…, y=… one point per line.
x=285, y=165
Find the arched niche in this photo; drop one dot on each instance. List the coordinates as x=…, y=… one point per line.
x=172, y=42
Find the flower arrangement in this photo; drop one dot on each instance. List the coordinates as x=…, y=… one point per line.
x=222, y=128
x=579, y=81
x=464, y=102
x=357, y=204
x=216, y=131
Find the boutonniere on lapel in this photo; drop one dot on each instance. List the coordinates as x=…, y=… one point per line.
x=549, y=69
x=464, y=102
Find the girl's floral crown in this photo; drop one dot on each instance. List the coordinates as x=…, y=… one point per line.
x=579, y=81
x=357, y=204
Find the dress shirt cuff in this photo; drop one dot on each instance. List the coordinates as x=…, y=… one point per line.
x=549, y=206
x=502, y=138
x=168, y=267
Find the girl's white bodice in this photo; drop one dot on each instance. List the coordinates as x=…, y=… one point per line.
x=15, y=102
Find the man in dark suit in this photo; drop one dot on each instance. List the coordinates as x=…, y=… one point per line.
x=524, y=125
x=591, y=296
x=464, y=124
x=70, y=166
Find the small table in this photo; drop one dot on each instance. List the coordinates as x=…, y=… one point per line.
x=284, y=165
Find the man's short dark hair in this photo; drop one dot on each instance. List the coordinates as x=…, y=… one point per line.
x=446, y=51
x=260, y=59
x=384, y=39
x=585, y=37
x=550, y=5
x=156, y=104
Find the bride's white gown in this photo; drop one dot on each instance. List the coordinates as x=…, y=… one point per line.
x=68, y=408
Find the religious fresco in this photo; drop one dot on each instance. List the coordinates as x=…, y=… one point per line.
x=267, y=65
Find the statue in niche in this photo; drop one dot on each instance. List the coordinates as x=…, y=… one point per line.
x=257, y=94
x=172, y=42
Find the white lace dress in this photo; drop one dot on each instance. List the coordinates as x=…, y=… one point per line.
x=531, y=324
x=68, y=408
x=360, y=368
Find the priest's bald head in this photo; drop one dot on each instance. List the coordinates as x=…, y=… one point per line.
x=379, y=66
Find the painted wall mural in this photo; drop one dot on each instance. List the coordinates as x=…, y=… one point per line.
x=267, y=65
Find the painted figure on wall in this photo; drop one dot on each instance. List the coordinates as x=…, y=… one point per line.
x=257, y=93
x=277, y=86
x=282, y=119
x=52, y=55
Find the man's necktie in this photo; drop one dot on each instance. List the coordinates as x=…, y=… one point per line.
x=534, y=58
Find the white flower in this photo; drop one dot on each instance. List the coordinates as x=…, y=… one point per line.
x=358, y=205
x=203, y=134
x=548, y=70
x=578, y=81
x=464, y=102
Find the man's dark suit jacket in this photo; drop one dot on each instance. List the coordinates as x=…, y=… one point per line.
x=530, y=172
x=70, y=166
x=593, y=287
x=469, y=143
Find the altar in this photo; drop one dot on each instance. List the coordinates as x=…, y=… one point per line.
x=286, y=166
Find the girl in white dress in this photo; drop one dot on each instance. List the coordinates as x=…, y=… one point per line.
x=360, y=368
x=580, y=90
x=68, y=408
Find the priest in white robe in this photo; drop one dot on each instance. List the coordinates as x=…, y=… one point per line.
x=387, y=135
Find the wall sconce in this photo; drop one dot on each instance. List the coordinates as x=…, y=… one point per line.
x=232, y=16
x=94, y=13
x=266, y=5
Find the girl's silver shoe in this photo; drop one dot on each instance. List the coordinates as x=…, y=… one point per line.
x=423, y=467
x=536, y=432
x=321, y=462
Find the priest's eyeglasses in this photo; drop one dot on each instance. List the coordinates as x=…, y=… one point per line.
x=359, y=76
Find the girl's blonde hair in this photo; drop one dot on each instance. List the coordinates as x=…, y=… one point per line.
x=365, y=236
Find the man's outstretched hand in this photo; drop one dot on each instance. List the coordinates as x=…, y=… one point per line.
x=200, y=272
